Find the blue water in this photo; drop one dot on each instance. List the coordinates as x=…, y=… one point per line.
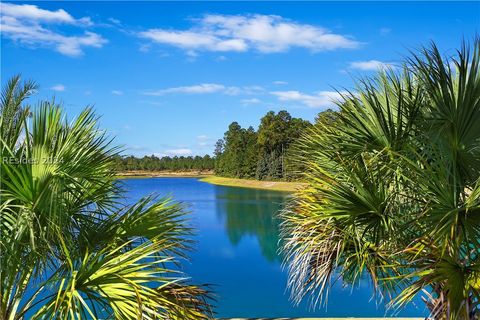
x=236, y=252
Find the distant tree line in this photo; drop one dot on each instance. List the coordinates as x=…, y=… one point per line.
x=261, y=154
x=176, y=163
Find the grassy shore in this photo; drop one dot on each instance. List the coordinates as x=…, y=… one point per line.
x=207, y=176
x=163, y=174
x=255, y=184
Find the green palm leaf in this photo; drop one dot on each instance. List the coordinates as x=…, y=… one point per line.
x=393, y=189
x=69, y=248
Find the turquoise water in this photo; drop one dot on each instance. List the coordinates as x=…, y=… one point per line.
x=237, y=252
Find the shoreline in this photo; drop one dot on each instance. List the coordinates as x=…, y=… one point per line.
x=138, y=174
x=209, y=177
x=283, y=186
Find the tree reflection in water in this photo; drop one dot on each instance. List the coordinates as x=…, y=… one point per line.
x=251, y=212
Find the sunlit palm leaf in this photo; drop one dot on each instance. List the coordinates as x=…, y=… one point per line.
x=69, y=248
x=393, y=193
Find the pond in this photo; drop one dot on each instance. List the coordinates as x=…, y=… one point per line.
x=236, y=251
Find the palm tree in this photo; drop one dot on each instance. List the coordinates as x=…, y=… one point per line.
x=394, y=189
x=70, y=248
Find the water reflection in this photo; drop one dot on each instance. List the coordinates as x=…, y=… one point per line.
x=250, y=212
x=236, y=252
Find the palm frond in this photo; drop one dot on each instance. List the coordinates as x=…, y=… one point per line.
x=393, y=189
x=70, y=249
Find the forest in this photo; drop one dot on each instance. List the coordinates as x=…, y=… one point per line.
x=262, y=154
x=176, y=163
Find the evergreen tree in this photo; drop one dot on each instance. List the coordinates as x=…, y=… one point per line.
x=245, y=153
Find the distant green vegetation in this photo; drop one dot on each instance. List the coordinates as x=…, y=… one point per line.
x=394, y=189
x=154, y=163
x=261, y=154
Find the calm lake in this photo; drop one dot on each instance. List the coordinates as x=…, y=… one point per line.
x=236, y=251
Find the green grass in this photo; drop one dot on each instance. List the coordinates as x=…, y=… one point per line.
x=255, y=184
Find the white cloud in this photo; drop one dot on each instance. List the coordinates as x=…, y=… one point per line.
x=251, y=101
x=58, y=87
x=252, y=90
x=117, y=92
x=194, y=89
x=318, y=100
x=32, y=12
x=205, y=88
x=280, y=82
x=144, y=48
x=385, y=31
x=114, y=21
x=203, y=140
x=28, y=25
x=370, y=65
x=193, y=40
x=178, y=152
x=240, y=33
x=202, y=137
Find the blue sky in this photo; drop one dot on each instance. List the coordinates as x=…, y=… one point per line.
x=168, y=77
